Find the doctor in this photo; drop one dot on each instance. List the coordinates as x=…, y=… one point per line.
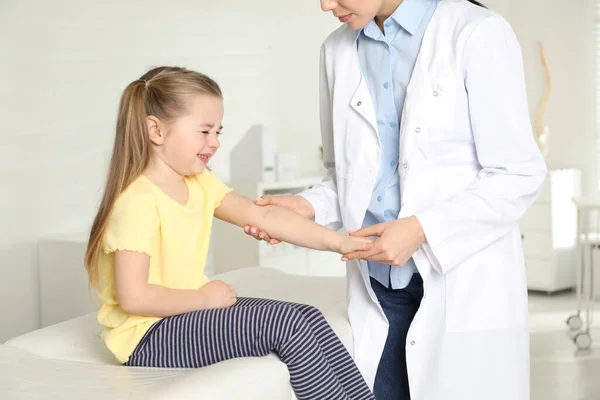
x=428, y=146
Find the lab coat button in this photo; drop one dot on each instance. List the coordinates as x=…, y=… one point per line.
x=359, y=104
x=405, y=165
x=418, y=129
x=412, y=342
x=435, y=93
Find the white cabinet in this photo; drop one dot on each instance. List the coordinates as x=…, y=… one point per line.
x=233, y=249
x=549, y=232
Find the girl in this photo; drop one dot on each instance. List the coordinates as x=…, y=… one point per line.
x=149, y=241
x=429, y=148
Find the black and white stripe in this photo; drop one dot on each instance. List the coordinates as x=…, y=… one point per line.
x=320, y=366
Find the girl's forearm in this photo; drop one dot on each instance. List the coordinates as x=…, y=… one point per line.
x=280, y=223
x=159, y=301
x=288, y=226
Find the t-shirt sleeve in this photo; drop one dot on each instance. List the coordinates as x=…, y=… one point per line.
x=218, y=188
x=133, y=224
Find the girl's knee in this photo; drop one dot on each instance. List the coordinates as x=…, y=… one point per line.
x=312, y=313
x=291, y=312
x=308, y=309
x=299, y=317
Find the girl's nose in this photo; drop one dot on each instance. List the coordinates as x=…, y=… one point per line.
x=214, y=142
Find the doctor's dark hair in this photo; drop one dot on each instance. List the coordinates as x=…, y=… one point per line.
x=162, y=92
x=476, y=3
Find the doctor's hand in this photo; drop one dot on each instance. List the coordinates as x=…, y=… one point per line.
x=295, y=203
x=350, y=244
x=397, y=241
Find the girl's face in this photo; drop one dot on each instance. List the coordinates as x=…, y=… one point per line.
x=188, y=143
x=355, y=13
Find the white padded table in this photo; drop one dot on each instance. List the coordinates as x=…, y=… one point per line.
x=70, y=361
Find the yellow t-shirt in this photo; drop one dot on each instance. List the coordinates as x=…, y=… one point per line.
x=175, y=236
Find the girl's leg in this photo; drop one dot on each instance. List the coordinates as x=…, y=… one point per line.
x=339, y=359
x=249, y=329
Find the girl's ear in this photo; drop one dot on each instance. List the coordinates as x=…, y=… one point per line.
x=154, y=130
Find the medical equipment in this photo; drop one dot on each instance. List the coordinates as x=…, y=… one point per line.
x=588, y=235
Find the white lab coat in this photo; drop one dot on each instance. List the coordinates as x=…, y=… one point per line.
x=469, y=169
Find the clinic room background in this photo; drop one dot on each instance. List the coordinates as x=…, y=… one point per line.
x=63, y=65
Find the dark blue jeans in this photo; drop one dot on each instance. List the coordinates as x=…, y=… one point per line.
x=400, y=307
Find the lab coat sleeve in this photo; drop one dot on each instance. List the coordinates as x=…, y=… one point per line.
x=513, y=168
x=324, y=196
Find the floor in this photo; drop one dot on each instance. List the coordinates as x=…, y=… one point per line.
x=558, y=370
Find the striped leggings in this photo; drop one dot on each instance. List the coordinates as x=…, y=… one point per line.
x=320, y=367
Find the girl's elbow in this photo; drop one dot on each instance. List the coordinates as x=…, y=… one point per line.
x=131, y=302
x=129, y=307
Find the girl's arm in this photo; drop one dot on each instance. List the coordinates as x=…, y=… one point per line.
x=285, y=225
x=136, y=296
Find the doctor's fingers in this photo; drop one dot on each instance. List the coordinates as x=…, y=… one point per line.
x=374, y=230
x=252, y=231
x=384, y=258
x=267, y=200
x=259, y=235
x=380, y=255
x=362, y=254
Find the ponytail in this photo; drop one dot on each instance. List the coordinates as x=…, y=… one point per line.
x=131, y=153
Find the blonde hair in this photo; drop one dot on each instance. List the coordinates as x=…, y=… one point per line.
x=162, y=92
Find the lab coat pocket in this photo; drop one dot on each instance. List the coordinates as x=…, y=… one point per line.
x=478, y=295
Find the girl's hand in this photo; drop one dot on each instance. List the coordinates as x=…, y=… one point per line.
x=349, y=244
x=217, y=294
x=398, y=240
x=295, y=203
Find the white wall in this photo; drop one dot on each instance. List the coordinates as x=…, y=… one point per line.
x=63, y=65
x=567, y=30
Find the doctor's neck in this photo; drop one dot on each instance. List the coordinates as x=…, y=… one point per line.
x=387, y=8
